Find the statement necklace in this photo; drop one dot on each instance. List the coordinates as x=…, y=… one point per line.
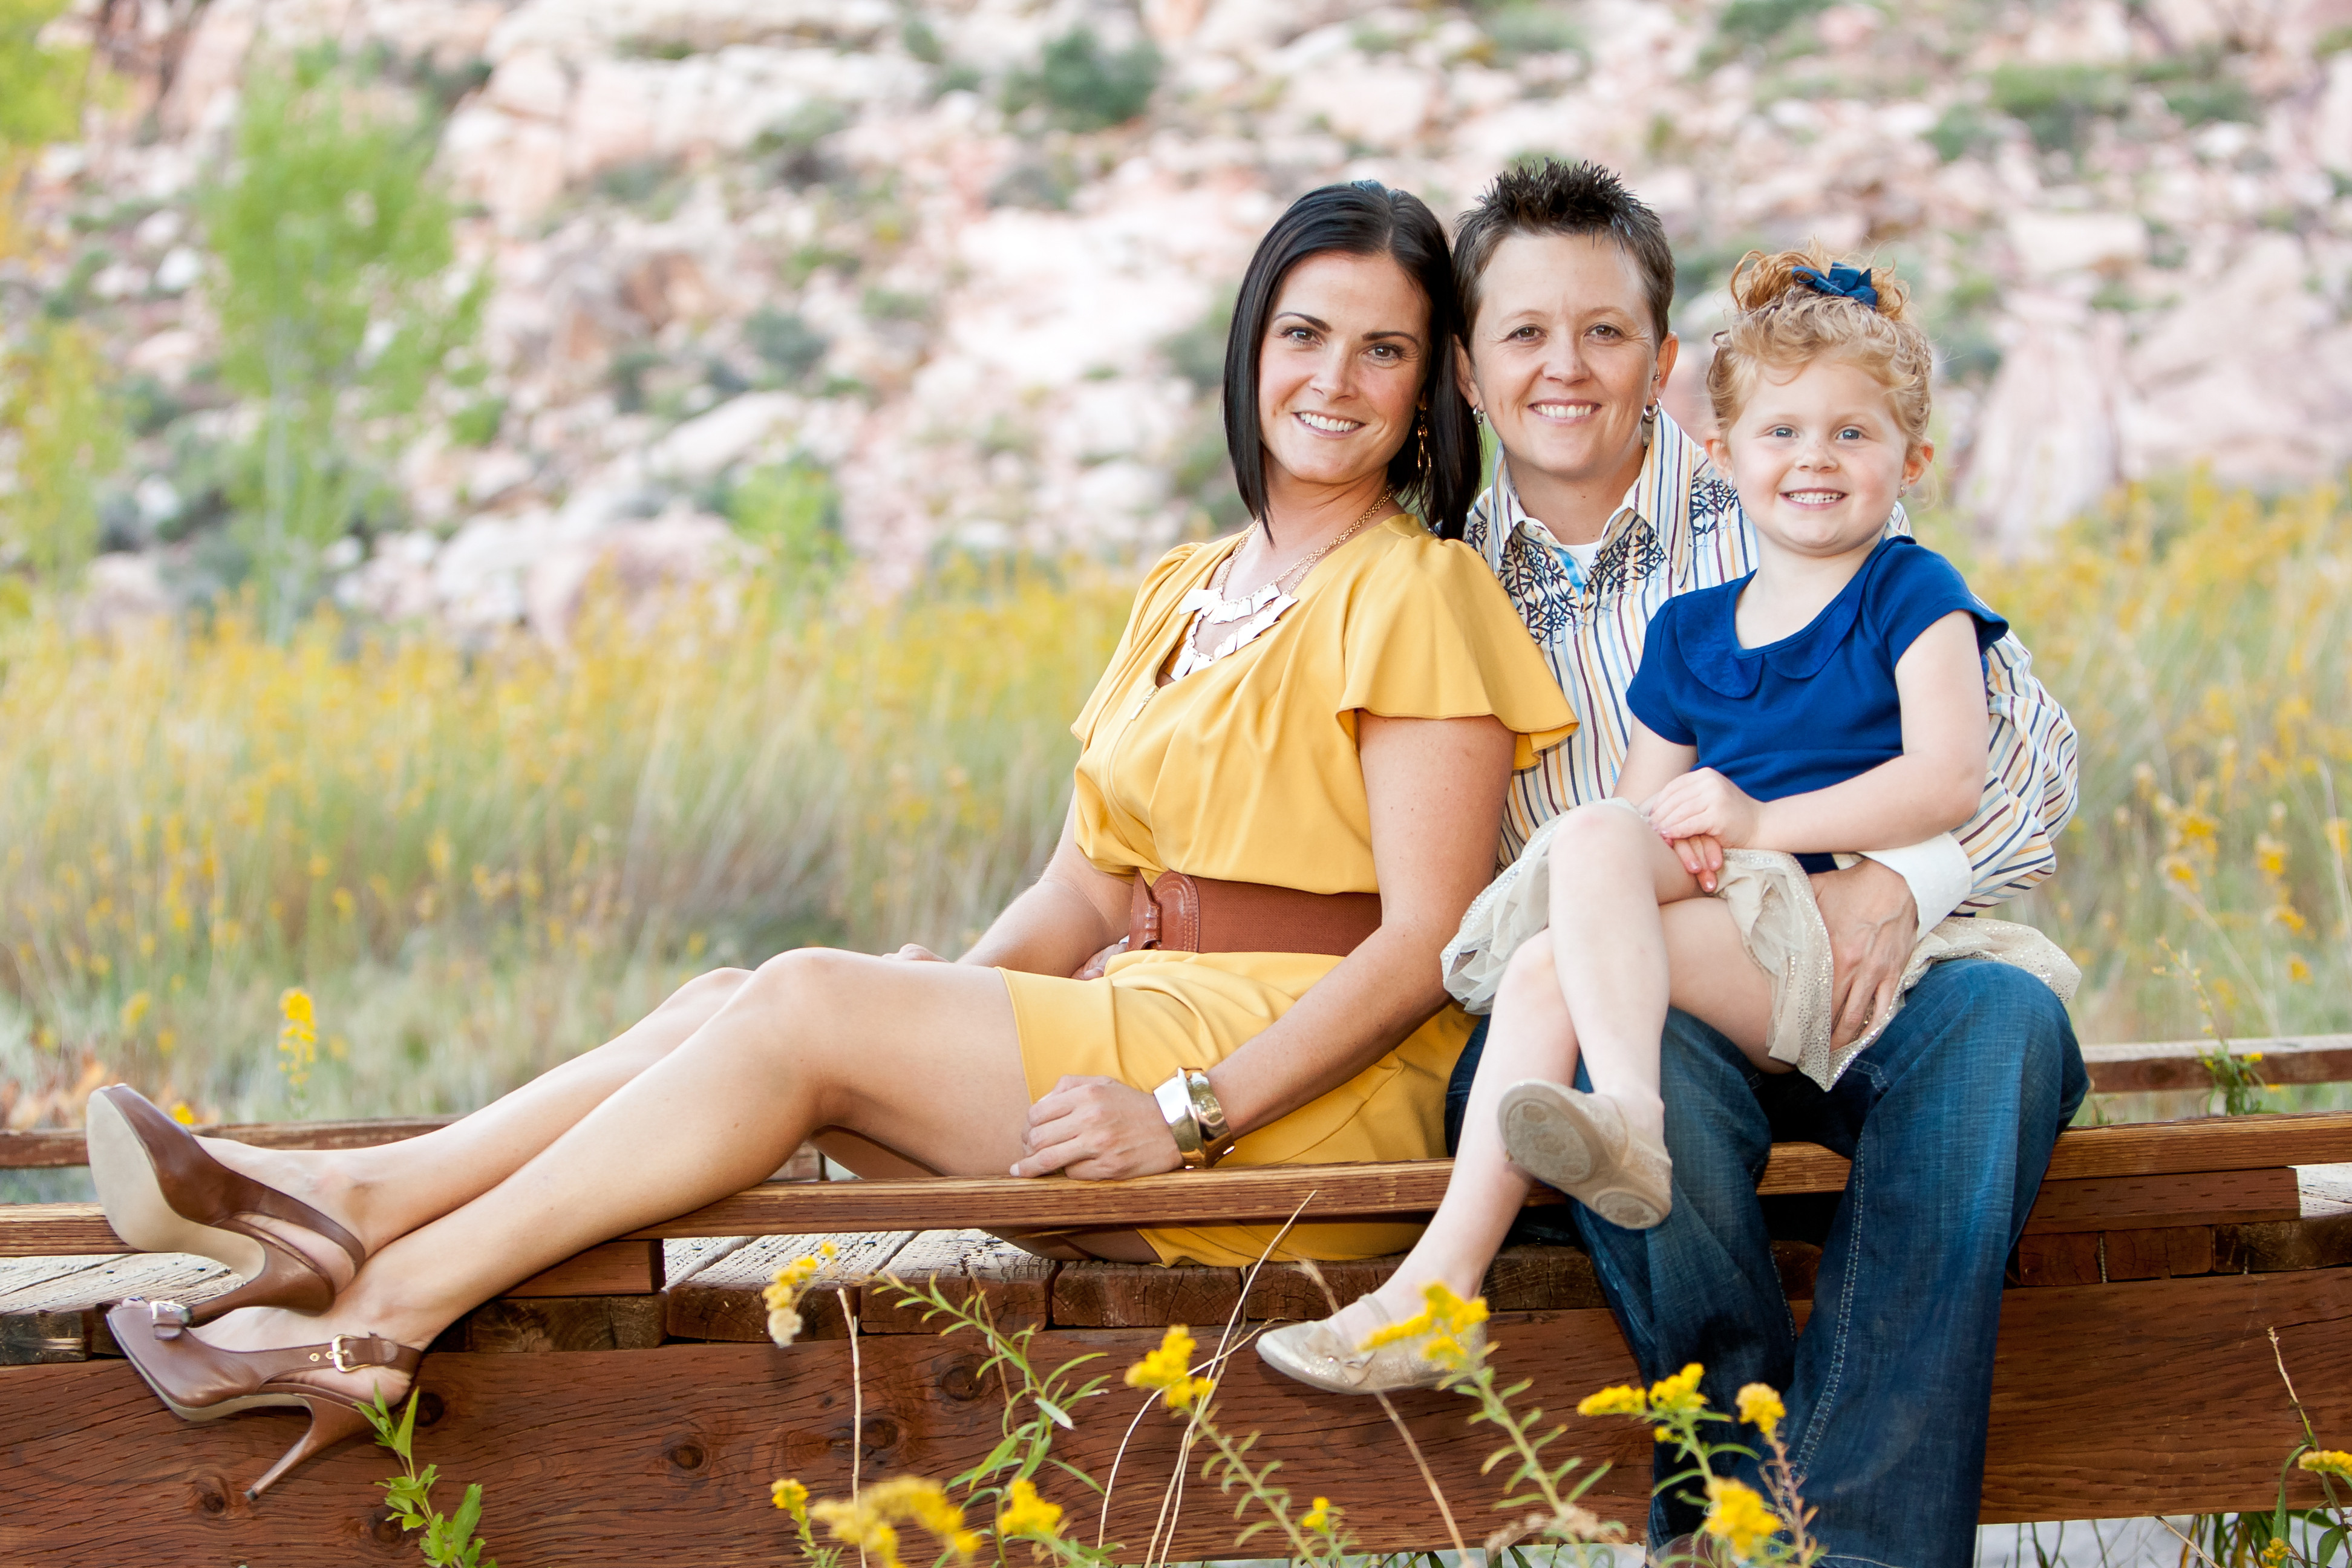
x=1254, y=613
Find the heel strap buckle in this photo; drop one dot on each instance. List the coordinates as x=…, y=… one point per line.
x=167, y=1318
x=339, y=1352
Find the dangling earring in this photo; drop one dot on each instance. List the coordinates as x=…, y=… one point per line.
x=1421, y=436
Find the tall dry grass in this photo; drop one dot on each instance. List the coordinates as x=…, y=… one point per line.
x=480, y=862
x=2202, y=640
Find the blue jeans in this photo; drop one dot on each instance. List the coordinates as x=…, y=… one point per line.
x=1949, y=1119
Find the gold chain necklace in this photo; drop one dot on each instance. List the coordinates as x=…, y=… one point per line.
x=1297, y=571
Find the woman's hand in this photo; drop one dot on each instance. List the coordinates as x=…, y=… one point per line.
x=1097, y=1130
x=914, y=953
x=1704, y=803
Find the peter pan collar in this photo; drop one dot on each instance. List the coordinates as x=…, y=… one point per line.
x=1709, y=634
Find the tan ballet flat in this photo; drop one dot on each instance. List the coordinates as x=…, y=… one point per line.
x=1318, y=1355
x=162, y=1193
x=1580, y=1144
x=203, y=1382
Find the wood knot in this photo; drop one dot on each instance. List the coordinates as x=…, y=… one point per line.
x=961, y=1382
x=382, y=1528
x=429, y=1408
x=686, y=1454
x=208, y=1496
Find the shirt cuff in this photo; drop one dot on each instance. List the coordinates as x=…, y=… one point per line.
x=1938, y=872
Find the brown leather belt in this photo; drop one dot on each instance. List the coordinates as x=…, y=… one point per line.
x=1200, y=914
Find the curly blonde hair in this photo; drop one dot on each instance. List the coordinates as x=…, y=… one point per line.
x=1782, y=320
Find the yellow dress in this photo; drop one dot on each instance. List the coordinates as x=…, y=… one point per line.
x=1247, y=771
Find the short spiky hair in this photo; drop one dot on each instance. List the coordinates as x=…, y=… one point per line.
x=1547, y=196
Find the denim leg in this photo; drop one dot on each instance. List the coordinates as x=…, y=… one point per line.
x=1949, y=1118
x=1701, y=1286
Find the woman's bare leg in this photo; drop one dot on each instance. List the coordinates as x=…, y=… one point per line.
x=920, y=1057
x=383, y=1192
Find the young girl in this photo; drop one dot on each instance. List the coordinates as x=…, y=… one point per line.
x=1831, y=701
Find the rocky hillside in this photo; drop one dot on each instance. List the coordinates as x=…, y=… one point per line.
x=951, y=272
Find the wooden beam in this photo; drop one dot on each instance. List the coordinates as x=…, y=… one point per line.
x=1329, y=1192
x=62, y=1149
x=617, y=1456
x=2177, y=1064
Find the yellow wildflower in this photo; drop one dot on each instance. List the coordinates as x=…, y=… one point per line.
x=1679, y=1394
x=1444, y=1323
x=872, y=1521
x=1622, y=1399
x=183, y=1113
x=134, y=1010
x=1736, y=1516
x=1319, y=1517
x=2274, y=1555
x=2297, y=971
x=298, y=1038
x=792, y=1497
x=2328, y=1462
x=1026, y=1513
x=1169, y=1369
x=1760, y=1407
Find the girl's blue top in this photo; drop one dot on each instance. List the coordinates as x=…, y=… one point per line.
x=1816, y=708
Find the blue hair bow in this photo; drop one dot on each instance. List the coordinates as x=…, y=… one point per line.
x=1842, y=282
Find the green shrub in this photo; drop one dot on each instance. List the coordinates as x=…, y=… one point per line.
x=786, y=345
x=1086, y=87
x=2056, y=103
x=334, y=244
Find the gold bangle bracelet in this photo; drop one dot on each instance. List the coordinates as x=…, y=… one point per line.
x=1208, y=1116
x=1175, y=1102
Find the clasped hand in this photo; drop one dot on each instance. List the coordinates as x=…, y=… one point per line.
x=1698, y=814
x=1097, y=1130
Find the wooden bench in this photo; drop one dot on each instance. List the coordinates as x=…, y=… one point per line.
x=2134, y=1372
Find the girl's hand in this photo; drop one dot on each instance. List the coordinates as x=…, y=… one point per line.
x=1704, y=803
x=913, y=952
x=1702, y=856
x=1097, y=1130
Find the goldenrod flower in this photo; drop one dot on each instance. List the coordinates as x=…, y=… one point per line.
x=1319, y=1517
x=1679, y=1394
x=1444, y=1315
x=298, y=1038
x=1736, y=1516
x=2274, y=1555
x=871, y=1521
x=1026, y=1513
x=1622, y=1399
x=1169, y=1369
x=1760, y=1407
x=792, y=1497
x=2328, y=1462
x=183, y=1113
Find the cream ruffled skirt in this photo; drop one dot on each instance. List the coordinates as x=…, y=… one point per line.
x=1772, y=900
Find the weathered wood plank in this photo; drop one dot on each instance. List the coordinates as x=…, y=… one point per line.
x=721, y=1300
x=2324, y=1243
x=653, y=1448
x=616, y=1268
x=1097, y=1294
x=2198, y=1197
x=2179, y=1252
x=1017, y=1286
x=2174, y=1063
x=1331, y=1192
x=560, y=1323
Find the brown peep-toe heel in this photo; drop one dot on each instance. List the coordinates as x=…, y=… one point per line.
x=162, y=1193
x=203, y=1382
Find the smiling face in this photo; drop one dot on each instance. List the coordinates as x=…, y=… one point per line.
x=1340, y=373
x=1819, y=456
x=1563, y=358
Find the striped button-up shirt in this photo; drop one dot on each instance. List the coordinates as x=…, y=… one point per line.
x=1681, y=528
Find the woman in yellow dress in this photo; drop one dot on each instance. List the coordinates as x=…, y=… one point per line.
x=1310, y=725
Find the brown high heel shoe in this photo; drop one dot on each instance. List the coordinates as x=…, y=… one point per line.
x=162, y=1193
x=203, y=1382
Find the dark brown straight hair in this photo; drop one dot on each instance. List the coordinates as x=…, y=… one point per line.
x=1436, y=471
